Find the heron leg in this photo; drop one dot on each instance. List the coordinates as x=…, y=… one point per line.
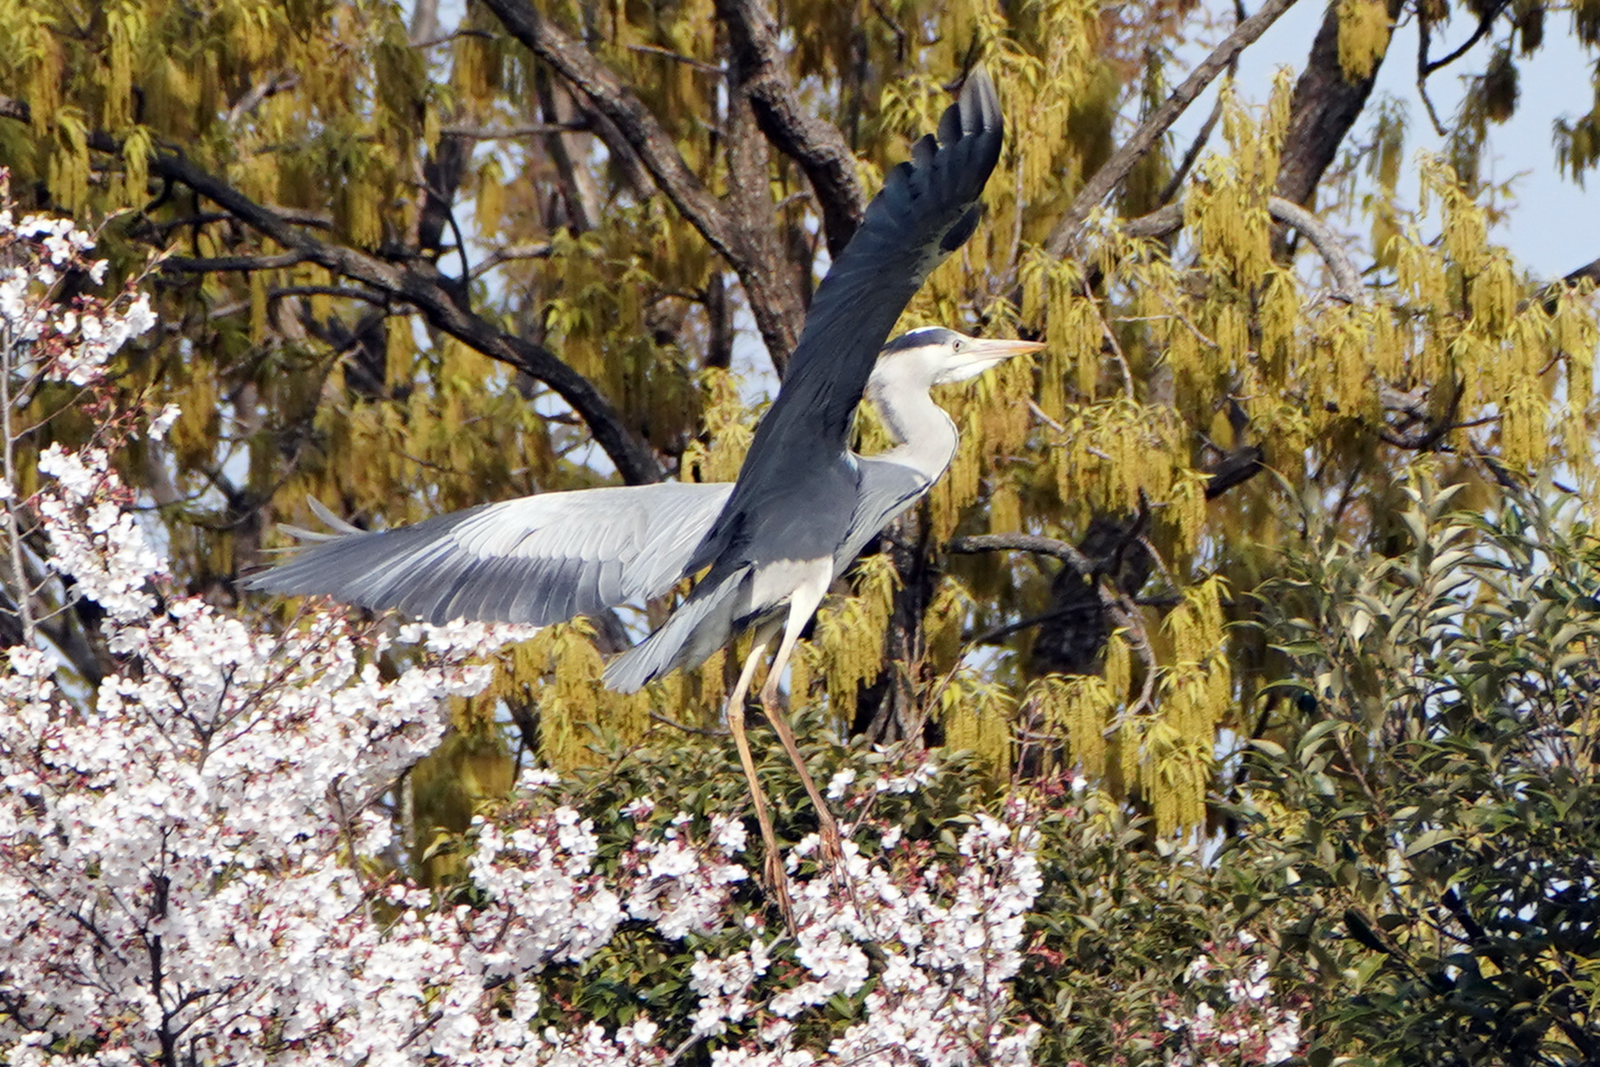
x=802, y=606
x=775, y=875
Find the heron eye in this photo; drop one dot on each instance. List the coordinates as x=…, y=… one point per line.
x=958, y=345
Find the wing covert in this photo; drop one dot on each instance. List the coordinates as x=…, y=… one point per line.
x=886, y=489
x=536, y=560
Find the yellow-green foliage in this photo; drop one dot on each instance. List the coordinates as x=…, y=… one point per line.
x=1133, y=372
x=1197, y=694
x=557, y=676
x=977, y=716
x=1161, y=357
x=729, y=427
x=1227, y=207
x=1364, y=29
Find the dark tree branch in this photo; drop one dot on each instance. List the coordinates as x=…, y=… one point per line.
x=317, y=219
x=1549, y=294
x=1588, y=272
x=817, y=146
x=1346, y=279
x=343, y=292
x=776, y=309
x=1021, y=542
x=1235, y=468
x=750, y=197
x=192, y=265
x=506, y=133
x=579, y=200
x=1424, y=33
x=1485, y=24
x=1085, y=604
x=442, y=172
x=418, y=284
x=1101, y=184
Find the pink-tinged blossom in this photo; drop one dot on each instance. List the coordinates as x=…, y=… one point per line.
x=638, y=809
x=724, y=986
x=680, y=885
x=1248, y=1024
x=730, y=834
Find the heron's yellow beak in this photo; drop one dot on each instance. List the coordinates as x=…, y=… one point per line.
x=978, y=354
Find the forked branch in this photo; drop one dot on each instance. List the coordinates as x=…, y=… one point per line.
x=817, y=146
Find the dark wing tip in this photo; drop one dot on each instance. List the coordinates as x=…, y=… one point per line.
x=977, y=110
x=971, y=131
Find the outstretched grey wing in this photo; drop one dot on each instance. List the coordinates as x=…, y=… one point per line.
x=537, y=559
x=927, y=209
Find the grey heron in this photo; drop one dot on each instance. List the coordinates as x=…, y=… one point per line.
x=772, y=542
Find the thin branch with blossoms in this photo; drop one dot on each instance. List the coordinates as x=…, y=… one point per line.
x=42, y=340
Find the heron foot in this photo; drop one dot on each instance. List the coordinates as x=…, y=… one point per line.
x=777, y=884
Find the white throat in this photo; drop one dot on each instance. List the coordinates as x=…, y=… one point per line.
x=926, y=438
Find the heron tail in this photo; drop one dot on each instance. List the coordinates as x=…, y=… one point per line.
x=702, y=624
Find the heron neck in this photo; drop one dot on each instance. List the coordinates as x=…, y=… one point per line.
x=925, y=437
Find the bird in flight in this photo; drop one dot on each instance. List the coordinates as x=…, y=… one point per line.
x=771, y=542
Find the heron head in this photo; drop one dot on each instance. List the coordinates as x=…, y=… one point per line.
x=938, y=355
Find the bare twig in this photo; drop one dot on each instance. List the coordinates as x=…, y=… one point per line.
x=685, y=727
x=506, y=133
x=343, y=292
x=8, y=344
x=1196, y=146
x=279, y=83
x=512, y=254
x=1039, y=413
x=1424, y=32
x=677, y=57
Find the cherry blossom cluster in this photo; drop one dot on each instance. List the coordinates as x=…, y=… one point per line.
x=181, y=856
x=38, y=254
x=1247, y=1024
x=937, y=942
x=200, y=859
